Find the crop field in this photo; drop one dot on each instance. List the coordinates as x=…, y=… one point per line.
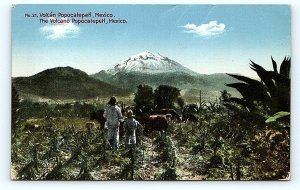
x=211, y=148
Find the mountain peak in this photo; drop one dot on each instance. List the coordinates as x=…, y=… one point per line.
x=145, y=55
x=67, y=72
x=148, y=62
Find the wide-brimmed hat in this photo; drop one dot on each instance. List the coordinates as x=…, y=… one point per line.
x=129, y=113
x=112, y=101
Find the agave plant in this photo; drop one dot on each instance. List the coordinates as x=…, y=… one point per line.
x=273, y=89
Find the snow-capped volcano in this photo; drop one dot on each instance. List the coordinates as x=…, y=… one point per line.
x=152, y=63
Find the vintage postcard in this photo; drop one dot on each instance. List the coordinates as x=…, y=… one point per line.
x=150, y=92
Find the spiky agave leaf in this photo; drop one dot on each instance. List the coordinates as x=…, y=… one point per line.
x=282, y=83
x=253, y=84
x=245, y=79
x=252, y=91
x=256, y=67
x=285, y=67
x=281, y=94
x=262, y=73
x=274, y=65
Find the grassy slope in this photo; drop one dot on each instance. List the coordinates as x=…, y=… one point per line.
x=64, y=83
x=179, y=79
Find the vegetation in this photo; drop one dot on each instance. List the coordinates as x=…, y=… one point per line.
x=267, y=110
x=231, y=138
x=164, y=96
x=144, y=99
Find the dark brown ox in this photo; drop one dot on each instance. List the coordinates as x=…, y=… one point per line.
x=98, y=115
x=154, y=123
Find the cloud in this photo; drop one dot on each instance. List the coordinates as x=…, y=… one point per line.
x=206, y=30
x=59, y=31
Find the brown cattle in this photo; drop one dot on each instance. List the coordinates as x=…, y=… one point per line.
x=154, y=123
x=98, y=115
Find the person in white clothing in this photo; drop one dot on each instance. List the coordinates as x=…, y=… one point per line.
x=130, y=127
x=113, y=115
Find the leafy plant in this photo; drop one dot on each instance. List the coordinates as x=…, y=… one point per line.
x=277, y=116
x=272, y=91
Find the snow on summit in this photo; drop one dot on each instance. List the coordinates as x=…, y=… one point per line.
x=147, y=62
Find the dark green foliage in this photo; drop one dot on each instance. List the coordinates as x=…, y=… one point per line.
x=272, y=91
x=144, y=99
x=42, y=109
x=165, y=96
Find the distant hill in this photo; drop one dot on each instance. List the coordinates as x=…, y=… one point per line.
x=154, y=69
x=65, y=83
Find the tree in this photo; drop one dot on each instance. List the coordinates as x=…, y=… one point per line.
x=165, y=96
x=144, y=99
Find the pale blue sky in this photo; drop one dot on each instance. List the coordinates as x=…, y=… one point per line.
x=205, y=38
